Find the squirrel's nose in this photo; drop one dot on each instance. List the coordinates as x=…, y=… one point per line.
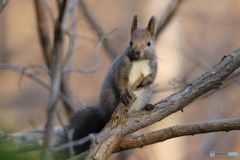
x=138, y=52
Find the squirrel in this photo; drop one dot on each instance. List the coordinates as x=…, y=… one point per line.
x=139, y=58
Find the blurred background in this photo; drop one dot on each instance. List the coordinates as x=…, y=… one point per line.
x=196, y=37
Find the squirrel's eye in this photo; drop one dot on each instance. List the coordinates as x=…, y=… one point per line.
x=149, y=43
x=130, y=43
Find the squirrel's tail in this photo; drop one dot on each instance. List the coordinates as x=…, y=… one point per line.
x=83, y=123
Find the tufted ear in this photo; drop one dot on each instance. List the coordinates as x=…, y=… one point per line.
x=134, y=24
x=151, y=26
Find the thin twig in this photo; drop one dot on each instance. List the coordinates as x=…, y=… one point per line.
x=166, y=16
x=43, y=30
x=87, y=70
x=56, y=72
x=76, y=36
x=65, y=86
x=36, y=79
x=46, y=71
x=3, y=4
x=20, y=70
x=95, y=55
x=81, y=102
x=50, y=12
x=109, y=49
x=72, y=42
x=75, y=143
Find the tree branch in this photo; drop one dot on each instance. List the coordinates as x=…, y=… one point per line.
x=104, y=144
x=95, y=56
x=56, y=72
x=65, y=86
x=178, y=131
x=166, y=16
x=43, y=31
x=109, y=49
x=3, y=3
x=37, y=79
x=33, y=140
x=44, y=34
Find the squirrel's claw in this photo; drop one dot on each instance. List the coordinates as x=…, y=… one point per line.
x=126, y=97
x=150, y=107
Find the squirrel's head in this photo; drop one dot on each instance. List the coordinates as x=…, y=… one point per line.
x=142, y=40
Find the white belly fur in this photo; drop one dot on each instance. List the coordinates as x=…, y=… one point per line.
x=138, y=68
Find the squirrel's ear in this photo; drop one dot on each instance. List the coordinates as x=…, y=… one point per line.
x=151, y=26
x=134, y=24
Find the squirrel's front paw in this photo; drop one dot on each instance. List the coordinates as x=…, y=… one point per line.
x=126, y=97
x=150, y=107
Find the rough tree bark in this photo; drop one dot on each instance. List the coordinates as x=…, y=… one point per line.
x=107, y=140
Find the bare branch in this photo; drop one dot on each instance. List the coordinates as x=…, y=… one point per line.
x=20, y=70
x=92, y=69
x=36, y=79
x=172, y=132
x=65, y=86
x=72, y=43
x=45, y=71
x=71, y=144
x=56, y=72
x=3, y=3
x=166, y=16
x=109, y=49
x=50, y=12
x=178, y=131
x=43, y=30
x=95, y=56
x=79, y=37
x=33, y=140
x=81, y=102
